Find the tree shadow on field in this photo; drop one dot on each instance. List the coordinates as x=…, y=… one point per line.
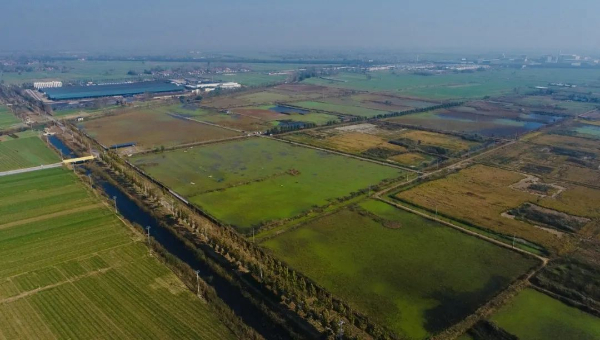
x=454, y=306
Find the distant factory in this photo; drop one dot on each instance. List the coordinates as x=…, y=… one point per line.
x=213, y=86
x=47, y=84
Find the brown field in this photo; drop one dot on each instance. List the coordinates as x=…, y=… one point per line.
x=592, y=116
x=151, y=129
x=236, y=121
x=544, y=156
x=487, y=108
x=548, y=104
x=564, y=141
x=356, y=142
x=308, y=91
x=357, y=101
x=487, y=191
x=385, y=99
x=412, y=159
x=246, y=99
x=452, y=143
x=359, y=138
x=280, y=94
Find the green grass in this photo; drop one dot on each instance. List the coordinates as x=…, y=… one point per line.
x=587, y=130
x=69, y=269
x=417, y=278
x=26, y=151
x=7, y=119
x=458, y=85
x=536, y=316
x=252, y=178
x=343, y=109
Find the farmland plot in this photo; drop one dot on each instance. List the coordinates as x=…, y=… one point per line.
x=70, y=269
x=257, y=180
x=409, y=273
x=26, y=151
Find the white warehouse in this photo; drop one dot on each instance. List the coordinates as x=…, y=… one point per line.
x=46, y=84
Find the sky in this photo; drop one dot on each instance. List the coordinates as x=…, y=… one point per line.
x=265, y=25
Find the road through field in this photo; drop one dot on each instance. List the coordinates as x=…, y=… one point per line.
x=35, y=168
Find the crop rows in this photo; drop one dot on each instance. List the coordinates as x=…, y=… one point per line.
x=79, y=274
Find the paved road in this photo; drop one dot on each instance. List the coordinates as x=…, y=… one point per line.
x=35, y=168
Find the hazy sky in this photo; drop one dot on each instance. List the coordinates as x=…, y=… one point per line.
x=161, y=25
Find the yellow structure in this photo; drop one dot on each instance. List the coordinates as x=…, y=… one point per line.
x=77, y=160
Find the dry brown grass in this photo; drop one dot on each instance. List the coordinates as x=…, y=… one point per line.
x=356, y=142
x=150, y=129
x=452, y=143
x=480, y=194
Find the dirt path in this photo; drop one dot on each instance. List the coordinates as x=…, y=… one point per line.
x=344, y=154
x=48, y=216
x=464, y=230
x=448, y=167
x=203, y=122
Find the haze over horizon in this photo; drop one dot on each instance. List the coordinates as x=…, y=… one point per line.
x=160, y=26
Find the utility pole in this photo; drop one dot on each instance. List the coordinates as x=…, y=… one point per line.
x=513, y=242
x=341, y=330
x=198, y=281
x=91, y=181
x=115, y=200
x=148, y=229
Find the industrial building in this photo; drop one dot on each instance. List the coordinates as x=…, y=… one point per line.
x=47, y=84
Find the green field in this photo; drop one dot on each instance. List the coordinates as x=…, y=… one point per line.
x=69, y=269
x=411, y=274
x=7, y=119
x=343, y=109
x=24, y=152
x=536, y=316
x=458, y=85
x=258, y=180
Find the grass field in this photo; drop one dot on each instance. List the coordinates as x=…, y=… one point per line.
x=487, y=191
x=411, y=274
x=536, y=316
x=152, y=127
x=337, y=108
x=7, y=119
x=379, y=101
x=457, y=85
x=69, y=269
x=24, y=152
x=257, y=180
